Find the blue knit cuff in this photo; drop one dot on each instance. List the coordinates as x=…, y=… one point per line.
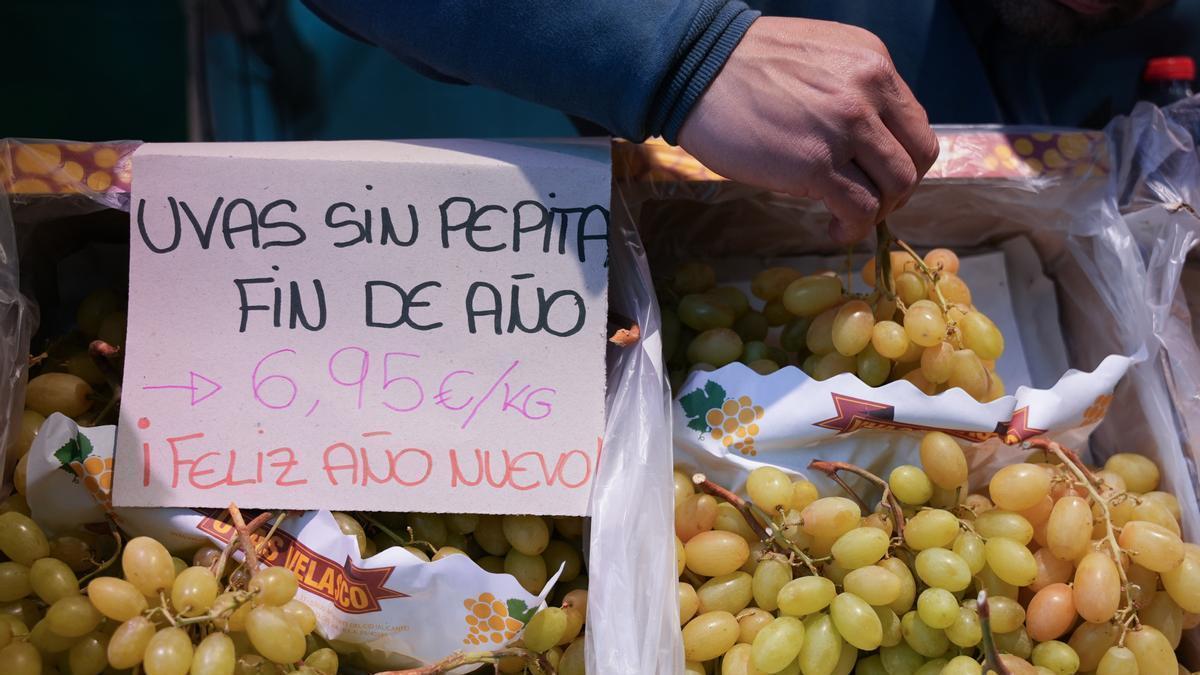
x=716, y=31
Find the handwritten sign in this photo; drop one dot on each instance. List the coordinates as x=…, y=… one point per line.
x=366, y=325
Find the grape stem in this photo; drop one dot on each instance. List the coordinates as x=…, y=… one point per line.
x=888, y=499
x=772, y=533
x=991, y=657
x=539, y=662
x=883, y=260
x=411, y=541
x=218, y=567
x=1127, y=615
x=933, y=277
x=111, y=559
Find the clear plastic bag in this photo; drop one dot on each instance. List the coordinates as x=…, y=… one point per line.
x=1101, y=211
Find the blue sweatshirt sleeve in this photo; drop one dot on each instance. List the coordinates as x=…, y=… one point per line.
x=636, y=67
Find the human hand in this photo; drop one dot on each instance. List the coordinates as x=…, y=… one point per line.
x=815, y=109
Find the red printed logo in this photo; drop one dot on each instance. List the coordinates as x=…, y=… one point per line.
x=353, y=589
x=856, y=413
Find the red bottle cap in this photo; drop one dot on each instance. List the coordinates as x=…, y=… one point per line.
x=1170, y=68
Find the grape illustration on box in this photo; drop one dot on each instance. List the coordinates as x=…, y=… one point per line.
x=491, y=620
x=78, y=459
x=732, y=421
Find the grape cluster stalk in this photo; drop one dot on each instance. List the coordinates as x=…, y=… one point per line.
x=1054, y=567
x=918, y=325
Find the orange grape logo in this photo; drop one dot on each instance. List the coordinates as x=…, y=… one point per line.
x=732, y=421
x=1095, y=412
x=77, y=458
x=492, y=622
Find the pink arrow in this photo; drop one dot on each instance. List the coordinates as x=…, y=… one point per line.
x=196, y=385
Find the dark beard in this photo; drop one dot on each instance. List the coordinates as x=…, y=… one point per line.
x=1051, y=23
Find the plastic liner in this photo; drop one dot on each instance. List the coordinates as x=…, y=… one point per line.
x=1109, y=233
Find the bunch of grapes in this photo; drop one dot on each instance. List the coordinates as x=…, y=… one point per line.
x=1059, y=568
x=160, y=616
x=918, y=326
x=530, y=548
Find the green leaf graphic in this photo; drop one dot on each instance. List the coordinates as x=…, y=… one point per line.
x=518, y=610
x=77, y=449
x=697, y=403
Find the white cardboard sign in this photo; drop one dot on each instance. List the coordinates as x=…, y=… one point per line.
x=366, y=325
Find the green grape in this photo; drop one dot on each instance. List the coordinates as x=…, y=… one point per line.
x=73, y=616
x=890, y=626
x=987, y=580
x=1139, y=472
x=1183, y=582
x=753, y=326
x=52, y=579
x=871, y=665
x=1091, y=640
x=112, y=329
x=1162, y=613
x=116, y=598
x=169, y=652
x=770, y=576
x=924, y=323
x=736, y=661
x=1017, y=487
x=273, y=635
x=702, y=312
x=689, y=668
x=889, y=339
x=794, y=334
x=21, y=539
x=529, y=570
x=300, y=615
x=910, y=287
x=750, y=621
x=872, y=368
x=64, y=393
x=805, y=596
x=693, y=277
x=709, y=635
x=717, y=346
x=874, y=584
x=489, y=534
x=1011, y=561
x=351, y=527
x=943, y=460
x=1007, y=615
x=545, y=629
x=6, y=631
x=1153, y=512
x=1056, y=657
x=729, y=592
x=832, y=364
x=772, y=282
x=936, y=362
x=429, y=527
x=933, y=667
x=88, y=656
x=21, y=658
x=732, y=297
x=856, y=622
x=1117, y=661
x=860, y=547
x=14, y=581
x=981, y=336
x=729, y=519
x=215, y=655
x=128, y=642
x=852, y=326
x=968, y=373
x=925, y=640
x=777, y=644
x=147, y=565
x=1151, y=546
x=688, y=601
x=937, y=607
x=527, y=534
x=324, y=661
x=715, y=553
x=462, y=523
x=811, y=295
x=819, y=338
x=908, y=584
x=969, y=546
x=47, y=641
x=1152, y=651
x=966, y=630
x=940, y=568
x=931, y=528
x=822, y=648
x=910, y=485
x=178, y=564
x=559, y=553
x=962, y=665
x=446, y=552
x=830, y=517
x=195, y=590
x=753, y=351
x=1006, y=524
x=776, y=314
x=769, y=488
